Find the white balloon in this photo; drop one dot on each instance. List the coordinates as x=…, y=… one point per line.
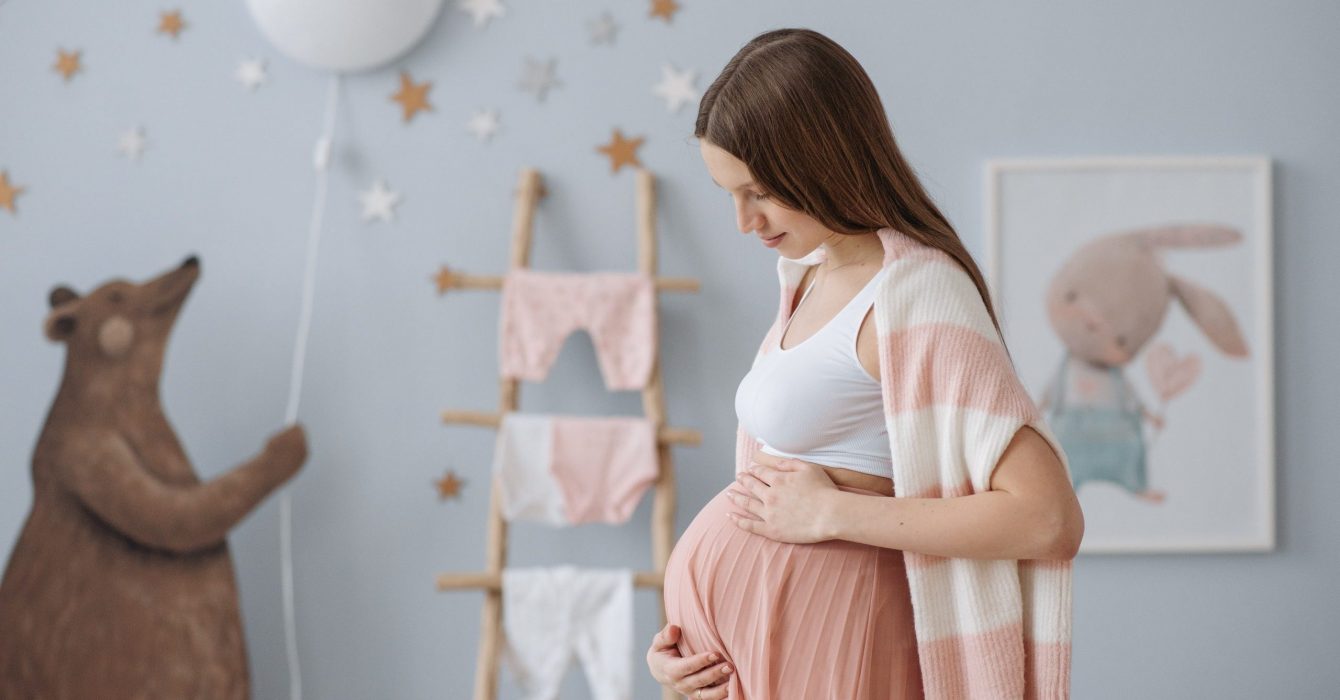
x=344, y=35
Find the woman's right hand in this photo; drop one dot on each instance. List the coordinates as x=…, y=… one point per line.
x=686, y=675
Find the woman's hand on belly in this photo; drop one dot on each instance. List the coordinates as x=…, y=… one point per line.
x=787, y=500
x=695, y=676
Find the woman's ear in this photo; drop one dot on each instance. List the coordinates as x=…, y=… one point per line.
x=61, y=295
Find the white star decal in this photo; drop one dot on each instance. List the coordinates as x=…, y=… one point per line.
x=539, y=78
x=484, y=124
x=676, y=87
x=603, y=30
x=483, y=10
x=132, y=143
x=379, y=202
x=251, y=73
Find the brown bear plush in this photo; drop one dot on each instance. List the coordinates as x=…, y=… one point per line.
x=121, y=584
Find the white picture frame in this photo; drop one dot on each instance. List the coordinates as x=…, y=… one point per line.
x=1212, y=462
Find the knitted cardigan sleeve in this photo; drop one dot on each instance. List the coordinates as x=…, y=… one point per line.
x=952, y=404
x=951, y=395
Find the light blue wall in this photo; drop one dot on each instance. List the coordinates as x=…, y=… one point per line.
x=227, y=176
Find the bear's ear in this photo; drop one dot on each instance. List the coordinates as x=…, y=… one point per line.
x=61, y=295
x=59, y=325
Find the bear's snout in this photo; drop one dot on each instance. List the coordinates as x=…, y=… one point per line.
x=167, y=292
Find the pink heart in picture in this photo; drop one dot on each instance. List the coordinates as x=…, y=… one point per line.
x=1170, y=374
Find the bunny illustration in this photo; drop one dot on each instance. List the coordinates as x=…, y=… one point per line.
x=1105, y=304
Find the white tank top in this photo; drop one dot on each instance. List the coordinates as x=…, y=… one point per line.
x=814, y=401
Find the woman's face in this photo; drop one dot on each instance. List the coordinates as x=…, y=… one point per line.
x=791, y=233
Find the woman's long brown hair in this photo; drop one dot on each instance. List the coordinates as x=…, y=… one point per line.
x=802, y=114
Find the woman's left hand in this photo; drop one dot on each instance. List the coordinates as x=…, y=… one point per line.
x=787, y=500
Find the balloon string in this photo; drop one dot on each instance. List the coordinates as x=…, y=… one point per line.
x=321, y=159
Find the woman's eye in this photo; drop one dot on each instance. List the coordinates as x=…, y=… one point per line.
x=758, y=195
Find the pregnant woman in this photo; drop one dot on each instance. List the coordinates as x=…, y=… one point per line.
x=901, y=523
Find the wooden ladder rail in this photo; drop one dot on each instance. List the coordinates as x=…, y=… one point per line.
x=530, y=189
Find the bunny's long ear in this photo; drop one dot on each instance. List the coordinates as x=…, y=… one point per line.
x=1189, y=236
x=1211, y=314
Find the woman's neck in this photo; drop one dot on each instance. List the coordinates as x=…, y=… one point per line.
x=851, y=249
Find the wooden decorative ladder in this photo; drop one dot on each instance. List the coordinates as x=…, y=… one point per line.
x=529, y=191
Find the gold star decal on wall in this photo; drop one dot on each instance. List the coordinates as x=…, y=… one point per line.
x=444, y=279
x=8, y=193
x=665, y=9
x=448, y=486
x=67, y=63
x=412, y=98
x=171, y=23
x=622, y=151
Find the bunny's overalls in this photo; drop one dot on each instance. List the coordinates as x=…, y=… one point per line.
x=1103, y=440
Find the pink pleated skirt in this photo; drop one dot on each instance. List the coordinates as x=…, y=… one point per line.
x=823, y=621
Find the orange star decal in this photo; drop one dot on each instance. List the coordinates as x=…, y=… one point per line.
x=622, y=151
x=8, y=193
x=448, y=486
x=412, y=98
x=67, y=63
x=171, y=23
x=665, y=9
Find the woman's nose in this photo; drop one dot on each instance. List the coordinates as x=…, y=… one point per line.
x=748, y=220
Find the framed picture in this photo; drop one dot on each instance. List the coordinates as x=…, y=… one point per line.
x=1135, y=298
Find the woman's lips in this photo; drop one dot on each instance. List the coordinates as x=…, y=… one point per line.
x=773, y=242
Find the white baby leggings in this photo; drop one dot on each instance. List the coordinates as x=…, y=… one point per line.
x=551, y=614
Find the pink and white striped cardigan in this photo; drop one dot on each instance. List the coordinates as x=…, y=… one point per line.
x=986, y=628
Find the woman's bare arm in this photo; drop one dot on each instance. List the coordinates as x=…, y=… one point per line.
x=1030, y=512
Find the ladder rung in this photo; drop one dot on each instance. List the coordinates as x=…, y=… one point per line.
x=448, y=279
x=493, y=582
x=491, y=419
